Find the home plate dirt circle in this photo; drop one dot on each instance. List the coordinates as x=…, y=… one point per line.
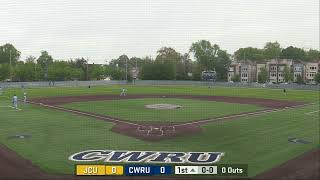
x=163, y=106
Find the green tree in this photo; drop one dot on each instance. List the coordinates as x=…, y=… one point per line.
x=117, y=74
x=249, y=53
x=75, y=74
x=169, y=56
x=272, y=50
x=8, y=51
x=299, y=79
x=236, y=78
x=31, y=59
x=123, y=63
x=187, y=67
x=288, y=75
x=59, y=71
x=222, y=63
x=157, y=71
x=4, y=71
x=262, y=76
x=81, y=64
x=204, y=53
x=44, y=61
x=317, y=78
x=24, y=72
x=293, y=53
x=312, y=55
x=120, y=61
x=135, y=61
x=196, y=71
x=96, y=72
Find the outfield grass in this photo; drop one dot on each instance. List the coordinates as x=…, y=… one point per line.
x=297, y=95
x=260, y=141
x=134, y=109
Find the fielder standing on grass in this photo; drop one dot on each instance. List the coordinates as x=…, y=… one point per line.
x=15, y=101
x=24, y=97
x=123, y=92
x=0, y=90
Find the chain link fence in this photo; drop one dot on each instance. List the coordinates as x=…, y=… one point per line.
x=154, y=83
x=59, y=84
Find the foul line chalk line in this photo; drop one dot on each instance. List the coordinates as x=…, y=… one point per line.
x=14, y=109
x=309, y=113
x=241, y=115
x=84, y=113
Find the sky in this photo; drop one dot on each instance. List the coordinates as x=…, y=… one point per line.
x=101, y=30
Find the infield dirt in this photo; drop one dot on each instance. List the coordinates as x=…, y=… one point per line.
x=156, y=131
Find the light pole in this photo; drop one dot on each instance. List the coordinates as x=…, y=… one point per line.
x=10, y=65
x=126, y=70
x=120, y=76
x=46, y=70
x=35, y=71
x=136, y=64
x=87, y=69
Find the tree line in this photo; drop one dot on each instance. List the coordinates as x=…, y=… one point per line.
x=273, y=50
x=167, y=65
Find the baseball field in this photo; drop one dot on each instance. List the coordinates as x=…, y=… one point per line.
x=250, y=125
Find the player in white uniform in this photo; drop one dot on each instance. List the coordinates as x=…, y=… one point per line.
x=15, y=101
x=24, y=97
x=0, y=91
x=123, y=92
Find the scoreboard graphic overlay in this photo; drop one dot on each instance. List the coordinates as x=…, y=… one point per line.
x=165, y=170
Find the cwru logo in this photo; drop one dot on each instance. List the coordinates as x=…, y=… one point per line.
x=147, y=156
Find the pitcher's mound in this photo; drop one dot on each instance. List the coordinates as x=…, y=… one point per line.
x=163, y=106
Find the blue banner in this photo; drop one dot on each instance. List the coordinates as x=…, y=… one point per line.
x=147, y=170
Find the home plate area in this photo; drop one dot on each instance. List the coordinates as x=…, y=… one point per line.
x=155, y=132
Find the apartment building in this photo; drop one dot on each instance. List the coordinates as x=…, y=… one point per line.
x=234, y=69
x=276, y=68
x=298, y=70
x=311, y=69
x=259, y=67
x=247, y=72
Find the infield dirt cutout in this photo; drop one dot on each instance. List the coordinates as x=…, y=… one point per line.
x=155, y=131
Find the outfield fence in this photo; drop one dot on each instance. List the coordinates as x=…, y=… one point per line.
x=59, y=84
x=227, y=84
x=153, y=83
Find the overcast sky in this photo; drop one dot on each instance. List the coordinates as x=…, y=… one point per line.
x=104, y=29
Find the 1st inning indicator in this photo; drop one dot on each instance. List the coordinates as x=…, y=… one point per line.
x=196, y=170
